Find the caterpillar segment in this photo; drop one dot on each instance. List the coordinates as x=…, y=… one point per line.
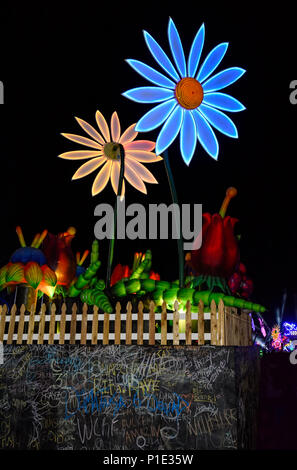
x=96, y=297
x=169, y=292
x=84, y=279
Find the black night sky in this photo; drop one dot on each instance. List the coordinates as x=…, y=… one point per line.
x=57, y=63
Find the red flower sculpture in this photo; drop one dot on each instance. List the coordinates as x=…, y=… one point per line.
x=219, y=252
x=119, y=272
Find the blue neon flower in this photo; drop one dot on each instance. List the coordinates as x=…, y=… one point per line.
x=190, y=101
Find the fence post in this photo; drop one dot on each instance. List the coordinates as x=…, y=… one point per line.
x=117, y=326
x=52, y=324
x=73, y=324
x=140, y=324
x=2, y=322
x=200, y=322
x=129, y=323
x=213, y=322
x=221, y=310
x=188, y=323
x=83, y=335
x=176, y=324
x=95, y=325
x=62, y=324
x=11, y=324
x=152, y=324
x=41, y=324
x=31, y=325
x=21, y=324
x=106, y=329
x=164, y=324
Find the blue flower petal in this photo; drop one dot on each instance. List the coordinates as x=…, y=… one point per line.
x=149, y=94
x=219, y=120
x=206, y=135
x=169, y=130
x=212, y=61
x=195, y=52
x=223, y=101
x=176, y=48
x=160, y=56
x=156, y=116
x=223, y=79
x=151, y=74
x=188, y=137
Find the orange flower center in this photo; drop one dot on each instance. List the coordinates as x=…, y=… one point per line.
x=189, y=93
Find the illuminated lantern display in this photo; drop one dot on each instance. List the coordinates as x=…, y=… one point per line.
x=189, y=96
x=105, y=153
x=276, y=338
x=219, y=252
x=58, y=252
x=28, y=271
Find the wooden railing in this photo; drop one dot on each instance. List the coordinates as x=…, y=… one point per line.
x=220, y=326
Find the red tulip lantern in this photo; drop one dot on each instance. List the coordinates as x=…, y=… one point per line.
x=219, y=252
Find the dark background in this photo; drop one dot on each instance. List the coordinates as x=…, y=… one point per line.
x=61, y=62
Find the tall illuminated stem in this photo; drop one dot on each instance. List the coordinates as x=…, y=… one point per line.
x=175, y=201
x=112, y=241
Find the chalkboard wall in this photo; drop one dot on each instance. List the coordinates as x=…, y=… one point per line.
x=128, y=397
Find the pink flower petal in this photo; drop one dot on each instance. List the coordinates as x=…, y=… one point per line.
x=80, y=154
x=102, y=124
x=129, y=135
x=115, y=127
x=114, y=178
x=146, y=145
x=134, y=179
x=142, y=156
x=101, y=179
x=82, y=140
x=141, y=171
x=88, y=167
x=90, y=130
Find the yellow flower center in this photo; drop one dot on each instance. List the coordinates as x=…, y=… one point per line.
x=112, y=151
x=189, y=93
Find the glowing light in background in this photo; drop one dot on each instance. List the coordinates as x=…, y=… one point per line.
x=190, y=101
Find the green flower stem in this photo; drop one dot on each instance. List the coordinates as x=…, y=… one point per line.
x=175, y=201
x=112, y=241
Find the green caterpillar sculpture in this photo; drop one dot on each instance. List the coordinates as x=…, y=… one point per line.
x=94, y=292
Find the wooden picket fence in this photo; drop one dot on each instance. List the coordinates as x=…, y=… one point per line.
x=227, y=326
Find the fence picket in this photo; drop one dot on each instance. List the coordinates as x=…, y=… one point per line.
x=21, y=325
x=11, y=324
x=106, y=329
x=129, y=324
x=164, y=324
x=95, y=325
x=176, y=324
x=52, y=324
x=188, y=323
x=213, y=322
x=84, y=325
x=31, y=325
x=200, y=322
x=221, y=310
x=2, y=321
x=152, y=324
x=41, y=324
x=117, y=325
x=140, y=324
x=73, y=324
x=62, y=324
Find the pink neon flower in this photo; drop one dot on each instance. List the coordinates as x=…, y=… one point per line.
x=105, y=155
